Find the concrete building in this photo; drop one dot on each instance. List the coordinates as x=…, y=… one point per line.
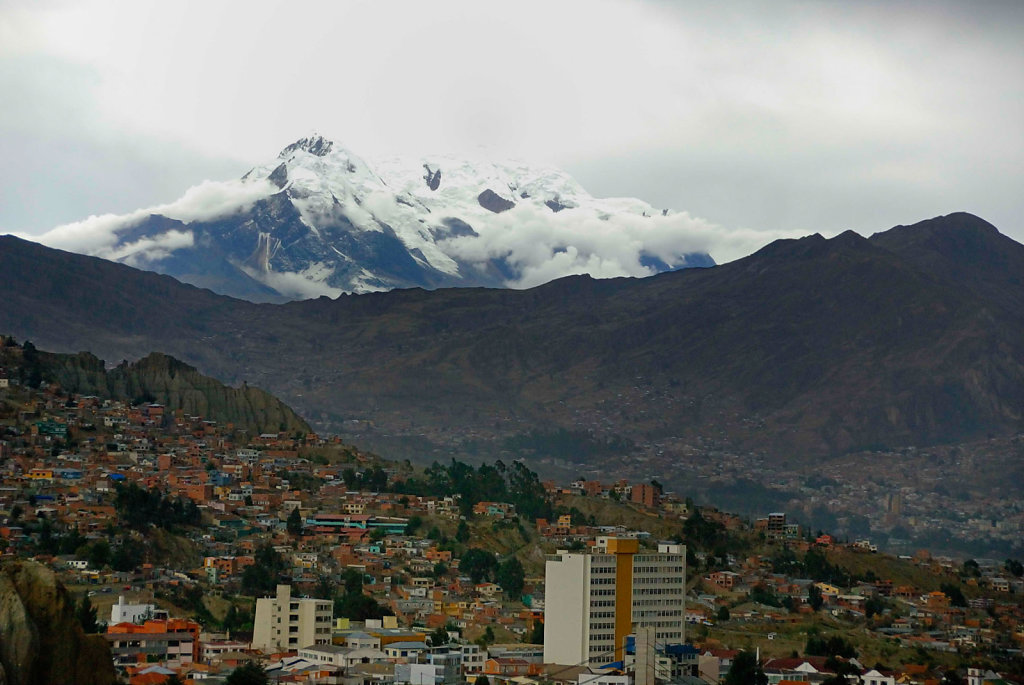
x=595, y=600
x=286, y=623
x=123, y=612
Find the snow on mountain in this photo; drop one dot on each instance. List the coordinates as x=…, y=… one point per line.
x=320, y=220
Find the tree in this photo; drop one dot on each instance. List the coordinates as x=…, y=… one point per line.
x=874, y=605
x=86, y=614
x=536, y=633
x=746, y=670
x=951, y=677
x=843, y=669
x=814, y=598
x=440, y=568
x=510, y=577
x=439, y=637
x=324, y=588
x=262, y=577
x=955, y=594
x=413, y=524
x=353, y=581
x=294, y=523
x=481, y=680
x=478, y=564
x=834, y=646
x=462, y=532
x=99, y=554
x=247, y=674
x=723, y=613
x=359, y=607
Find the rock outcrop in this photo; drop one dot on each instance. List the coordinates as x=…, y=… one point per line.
x=162, y=379
x=41, y=642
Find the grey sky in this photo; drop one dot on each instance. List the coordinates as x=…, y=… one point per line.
x=783, y=117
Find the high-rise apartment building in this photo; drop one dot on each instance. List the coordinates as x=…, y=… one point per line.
x=594, y=600
x=286, y=623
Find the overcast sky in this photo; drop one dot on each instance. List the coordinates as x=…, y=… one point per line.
x=781, y=117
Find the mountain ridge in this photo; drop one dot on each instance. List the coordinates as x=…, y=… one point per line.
x=810, y=347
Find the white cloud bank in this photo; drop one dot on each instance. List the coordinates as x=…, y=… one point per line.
x=99, y=235
x=541, y=245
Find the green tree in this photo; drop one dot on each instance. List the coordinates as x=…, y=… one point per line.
x=481, y=680
x=833, y=646
x=874, y=605
x=324, y=588
x=462, y=532
x=510, y=576
x=359, y=607
x=294, y=523
x=263, y=576
x=247, y=674
x=746, y=670
x=814, y=598
x=439, y=637
x=440, y=568
x=723, y=613
x=413, y=524
x=478, y=564
x=536, y=633
x=99, y=554
x=955, y=594
x=951, y=677
x=843, y=671
x=86, y=614
x=353, y=581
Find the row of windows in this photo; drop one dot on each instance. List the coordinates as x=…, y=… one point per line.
x=602, y=581
x=602, y=614
x=602, y=626
x=665, y=592
x=660, y=624
x=659, y=580
x=602, y=593
x=602, y=569
x=602, y=603
x=664, y=612
x=658, y=569
x=660, y=601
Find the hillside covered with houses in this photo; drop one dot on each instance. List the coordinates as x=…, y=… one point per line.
x=172, y=529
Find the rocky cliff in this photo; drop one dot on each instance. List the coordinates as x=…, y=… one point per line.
x=41, y=641
x=162, y=379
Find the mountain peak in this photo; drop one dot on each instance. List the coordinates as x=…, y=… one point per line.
x=314, y=145
x=320, y=220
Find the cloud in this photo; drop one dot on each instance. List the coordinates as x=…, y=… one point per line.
x=293, y=284
x=148, y=250
x=541, y=245
x=98, y=235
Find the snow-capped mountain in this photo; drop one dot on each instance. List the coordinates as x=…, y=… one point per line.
x=319, y=220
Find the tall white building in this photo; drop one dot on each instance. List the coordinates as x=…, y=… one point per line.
x=594, y=600
x=286, y=623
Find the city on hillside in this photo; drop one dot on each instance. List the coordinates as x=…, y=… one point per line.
x=200, y=551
